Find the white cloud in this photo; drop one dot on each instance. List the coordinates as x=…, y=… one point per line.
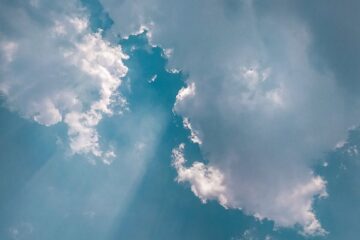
x=207, y=182
x=83, y=136
x=186, y=92
x=245, y=66
x=340, y=144
x=291, y=207
x=298, y=204
x=262, y=107
x=46, y=113
x=194, y=137
x=58, y=70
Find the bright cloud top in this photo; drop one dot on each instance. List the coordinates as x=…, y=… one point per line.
x=61, y=71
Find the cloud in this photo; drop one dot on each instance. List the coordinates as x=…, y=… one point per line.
x=96, y=198
x=193, y=134
x=206, y=182
x=186, y=92
x=266, y=106
x=55, y=69
x=292, y=206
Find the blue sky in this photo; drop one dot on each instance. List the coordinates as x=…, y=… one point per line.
x=179, y=120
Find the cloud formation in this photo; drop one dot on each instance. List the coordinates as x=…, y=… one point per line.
x=55, y=69
x=290, y=207
x=260, y=101
x=265, y=105
x=207, y=182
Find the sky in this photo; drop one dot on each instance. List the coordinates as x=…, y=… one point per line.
x=158, y=119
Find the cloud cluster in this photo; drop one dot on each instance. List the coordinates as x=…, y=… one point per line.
x=265, y=104
x=54, y=69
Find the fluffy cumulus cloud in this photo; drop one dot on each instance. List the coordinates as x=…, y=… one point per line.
x=207, y=182
x=265, y=106
x=54, y=69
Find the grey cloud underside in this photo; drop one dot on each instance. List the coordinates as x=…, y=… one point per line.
x=268, y=101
